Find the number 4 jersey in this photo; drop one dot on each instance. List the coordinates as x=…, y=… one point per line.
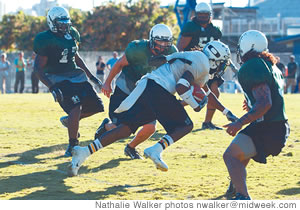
x=257, y=71
x=59, y=50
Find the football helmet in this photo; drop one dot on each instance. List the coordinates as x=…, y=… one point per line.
x=203, y=13
x=58, y=20
x=161, y=38
x=249, y=41
x=218, y=54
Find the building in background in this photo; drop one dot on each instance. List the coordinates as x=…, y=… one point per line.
x=42, y=7
x=273, y=17
x=2, y=9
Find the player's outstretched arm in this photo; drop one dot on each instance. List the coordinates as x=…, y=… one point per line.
x=183, y=42
x=218, y=105
x=79, y=62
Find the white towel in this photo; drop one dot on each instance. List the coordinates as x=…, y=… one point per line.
x=133, y=97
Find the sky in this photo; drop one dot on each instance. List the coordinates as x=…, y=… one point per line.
x=13, y=5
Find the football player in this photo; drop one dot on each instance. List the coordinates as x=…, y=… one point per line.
x=262, y=83
x=60, y=67
x=153, y=99
x=133, y=65
x=196, y=33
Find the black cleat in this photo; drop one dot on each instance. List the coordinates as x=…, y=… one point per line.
x=132, y=153
x=231, y=192
x=71, y=145
x=239, y=196
x=210, y=126
x=101, y=128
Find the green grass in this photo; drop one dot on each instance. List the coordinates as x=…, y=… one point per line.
x=32, y=165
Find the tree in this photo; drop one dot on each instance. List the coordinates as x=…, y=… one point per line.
x=113, y=26
x=18, y=31
x=108, y=27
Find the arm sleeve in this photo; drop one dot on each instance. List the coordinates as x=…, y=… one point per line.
x=130, y=53
x=254, y=74
x=75, y=34
x=40, y=45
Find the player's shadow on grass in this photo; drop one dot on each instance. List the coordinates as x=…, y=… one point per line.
x=88, y=195
x=48, y=184
x=109, y=165
x=30, y=156
x=290, y=191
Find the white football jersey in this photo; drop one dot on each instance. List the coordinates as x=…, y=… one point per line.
x=167, y=75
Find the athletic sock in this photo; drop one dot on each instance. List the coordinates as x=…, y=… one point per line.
x=166, y=141
x=73, y=142
x=95, y=146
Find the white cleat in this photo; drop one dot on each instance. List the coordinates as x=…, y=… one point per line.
x=155, y=156
x=79, y=155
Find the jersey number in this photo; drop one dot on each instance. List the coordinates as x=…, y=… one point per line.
x=64, y=58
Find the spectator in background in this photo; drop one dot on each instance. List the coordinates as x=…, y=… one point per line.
x=281, y=66
x=34, y=79
x=291, y=77
x=100, y=66
x=4, y=74
x=20, y=72
x=110, y=63
x=298, y=81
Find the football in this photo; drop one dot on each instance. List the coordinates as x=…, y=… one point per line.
x=198, y=93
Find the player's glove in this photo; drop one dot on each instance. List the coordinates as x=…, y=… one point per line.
x=202, y=104
x=96, y=82
x=157, y=60
x=231, y=117
x=56, y=93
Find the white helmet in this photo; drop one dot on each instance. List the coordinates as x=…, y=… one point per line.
x=162, y=33
x=203, y=13
x=59, y=20
x=218, y=54
x=252, y=40
x=203, y=8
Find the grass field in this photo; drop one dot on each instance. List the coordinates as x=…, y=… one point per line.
x=32, y=166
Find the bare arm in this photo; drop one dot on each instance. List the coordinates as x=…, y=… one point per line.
x=79, y=62
x=183, y=42
x=213, y=99
x=262, y=95
x=116, y=69
x=39, y=65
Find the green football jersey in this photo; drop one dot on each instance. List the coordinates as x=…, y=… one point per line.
x=257, y=71
x=59, y=50
x=137, y=54
x=200, y=36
